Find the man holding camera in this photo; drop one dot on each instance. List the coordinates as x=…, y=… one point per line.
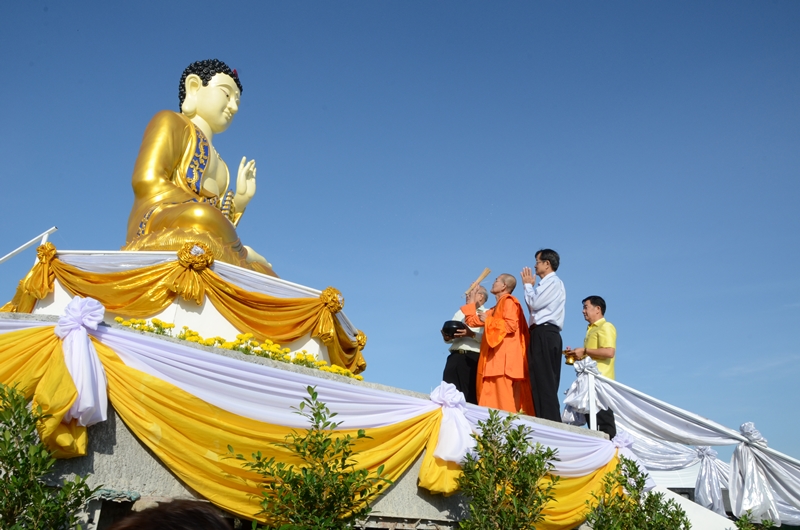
x=502, y=381
x=461, y=368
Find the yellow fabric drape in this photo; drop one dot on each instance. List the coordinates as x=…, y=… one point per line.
x=34, y=361
x=566, y=512
x=144, y=292
x=191, y=436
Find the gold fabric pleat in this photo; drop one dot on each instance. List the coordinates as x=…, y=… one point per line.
x=191, y=436
x=33, y=360
x=144, y=292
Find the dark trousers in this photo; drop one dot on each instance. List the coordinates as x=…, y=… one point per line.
x=605, y=422
x=461, y=370
x=544, y=363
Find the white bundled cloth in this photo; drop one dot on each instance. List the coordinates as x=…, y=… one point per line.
x=576, y=403
x=763, y=483
x=759, y=480
x=88, y=374
x=455, y=439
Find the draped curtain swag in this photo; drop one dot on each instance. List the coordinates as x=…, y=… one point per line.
x=146, y=291
x=188, y=404
x=760, y=480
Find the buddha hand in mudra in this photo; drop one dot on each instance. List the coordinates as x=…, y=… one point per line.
x=245, y=184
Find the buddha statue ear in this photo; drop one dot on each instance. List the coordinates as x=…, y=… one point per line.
x=192, y=85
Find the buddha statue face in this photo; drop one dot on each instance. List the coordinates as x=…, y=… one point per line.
x=215, y=103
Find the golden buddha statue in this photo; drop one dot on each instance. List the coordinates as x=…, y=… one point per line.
x=180, y=183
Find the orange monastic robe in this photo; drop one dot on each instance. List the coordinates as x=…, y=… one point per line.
x=503, y=382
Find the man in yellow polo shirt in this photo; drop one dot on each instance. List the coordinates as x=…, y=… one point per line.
x=601, y=345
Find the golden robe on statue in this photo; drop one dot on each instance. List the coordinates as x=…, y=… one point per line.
x=170, y=204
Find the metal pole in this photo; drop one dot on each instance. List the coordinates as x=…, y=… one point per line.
x=592, y=403
x=685, y=414
x=41, y=237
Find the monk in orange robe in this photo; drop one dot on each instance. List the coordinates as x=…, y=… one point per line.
x=503, y=378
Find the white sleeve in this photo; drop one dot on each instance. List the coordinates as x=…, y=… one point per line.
x=529, y=297
x=545, y=296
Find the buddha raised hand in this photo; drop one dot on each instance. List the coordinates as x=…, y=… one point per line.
x=180, y=183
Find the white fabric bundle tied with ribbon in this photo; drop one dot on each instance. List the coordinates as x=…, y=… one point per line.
x=91, y=405
x=455, y=433
x=576, y=402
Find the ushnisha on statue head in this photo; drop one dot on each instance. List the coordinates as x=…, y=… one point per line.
x=182, y=187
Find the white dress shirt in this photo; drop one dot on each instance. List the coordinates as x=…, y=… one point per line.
x=468, y=343
x=546, y=301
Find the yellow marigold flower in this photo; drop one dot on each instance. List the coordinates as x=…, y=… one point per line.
x=227, y=345
x=248, y=336
x=156, y=321
x=126, y=323
x=118, y=320
x=209, y=342
x=358, y=377
x=192, y=339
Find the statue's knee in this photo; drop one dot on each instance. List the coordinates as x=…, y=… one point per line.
x=201, y=217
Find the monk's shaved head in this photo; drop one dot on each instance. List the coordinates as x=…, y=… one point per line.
x=510, y=281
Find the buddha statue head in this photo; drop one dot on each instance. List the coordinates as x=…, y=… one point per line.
x=209, y=92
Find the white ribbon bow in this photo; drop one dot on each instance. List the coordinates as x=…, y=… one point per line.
x=455, y=439
x=750, y=432
x=576, y=402
x=82, y=362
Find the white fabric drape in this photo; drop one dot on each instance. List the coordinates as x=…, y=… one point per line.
x=624, y=442
x=576, y=453
x=268, y=394
x=91, y=405
x=758, y=479
x=762, y=482
x=456, y=446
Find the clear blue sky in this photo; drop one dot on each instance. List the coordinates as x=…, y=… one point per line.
x=404, y=146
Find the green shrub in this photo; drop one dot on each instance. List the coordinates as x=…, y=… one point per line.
x=744, y=523
x=25, y=501
x=507, y=480
x=623, y=504
x=327, y=492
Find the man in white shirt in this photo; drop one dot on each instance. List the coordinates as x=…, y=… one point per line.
x=546, y=304
x=461, y=368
